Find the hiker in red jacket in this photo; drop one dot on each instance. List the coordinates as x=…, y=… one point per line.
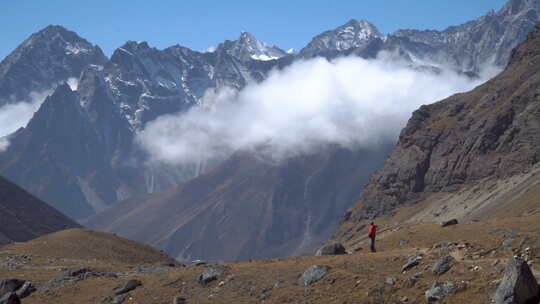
x=372, y=234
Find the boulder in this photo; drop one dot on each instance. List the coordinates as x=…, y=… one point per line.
x=179, y=300
x=518, y=286
x=25, y=290
x=391, y=281
x=449, y=223
x=443, y=265
x=210, y=274
x=439, y=291
x=331, y=249
x=127, y=287
x=411, y=262
x=10, y=298
x=10, y=285
x=119, y=299
x=312, y=275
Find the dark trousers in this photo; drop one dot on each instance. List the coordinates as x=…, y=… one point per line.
x=373, y=244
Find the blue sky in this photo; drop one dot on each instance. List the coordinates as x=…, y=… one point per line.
x=199, y=24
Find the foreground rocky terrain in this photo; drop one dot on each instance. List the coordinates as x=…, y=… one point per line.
x=467, y=260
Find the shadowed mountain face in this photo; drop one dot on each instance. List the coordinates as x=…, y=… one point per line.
x=25, y=217
x=247, y=207
x=476, y=152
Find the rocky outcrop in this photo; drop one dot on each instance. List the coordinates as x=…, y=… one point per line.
x=331, y=249
x=518, y=286
x=210, y=274
x=312, y=275
x=490, y=133
x=443, y=265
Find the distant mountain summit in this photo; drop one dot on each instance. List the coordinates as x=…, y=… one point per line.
x=248, y=47
x=45, y=59
x=356, y=35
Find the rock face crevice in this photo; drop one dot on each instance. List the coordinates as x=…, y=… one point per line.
x=492, y=132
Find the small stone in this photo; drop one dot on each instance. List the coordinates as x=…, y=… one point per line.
x=312, y=275
x=128, y=286
x=449, y=223
x=443, y=265
x=119, y=299
x=331, y=249
x=179, y=300
x=210, y=274
x=411, y=262
x=439, y=291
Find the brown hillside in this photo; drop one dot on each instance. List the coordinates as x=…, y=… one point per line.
x=82, y=244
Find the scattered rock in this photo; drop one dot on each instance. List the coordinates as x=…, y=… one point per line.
x=376, y=291
x=518, y=286
x=10, y=285
x=403, y=242
x=411, y=262
x=391, y=281
x=449, y=223
x=119, y=299
x=507, y=242
x=495, y=230
x=443, y=265
x=411, y=281
x=439, y=291
x=127, y=287
x=10, y=298
x=179, y=300
x=331, y=249
x=312, y=275
x=210, y=274
x=25, y=290
x=20, y=287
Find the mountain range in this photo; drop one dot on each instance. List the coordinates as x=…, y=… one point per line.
x=78, y=151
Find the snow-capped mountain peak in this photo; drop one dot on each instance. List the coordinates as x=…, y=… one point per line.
x=248, y=47
x=353, y=34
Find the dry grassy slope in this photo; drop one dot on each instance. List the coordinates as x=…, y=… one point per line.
x=470, y=156
x=83, y=244
x=349, y=280
x=24, y=217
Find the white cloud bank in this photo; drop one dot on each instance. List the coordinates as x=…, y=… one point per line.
x=349, y=102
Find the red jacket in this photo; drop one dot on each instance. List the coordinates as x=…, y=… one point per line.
x=372, y=230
